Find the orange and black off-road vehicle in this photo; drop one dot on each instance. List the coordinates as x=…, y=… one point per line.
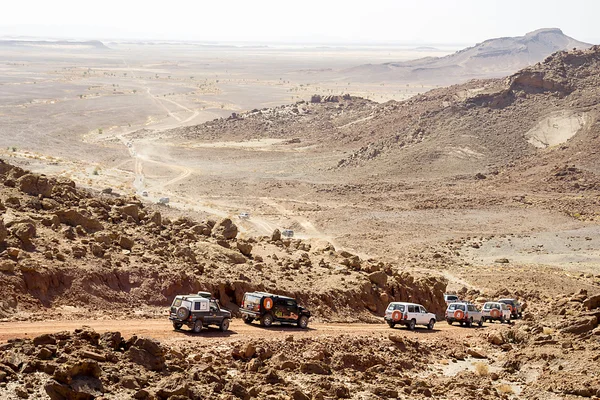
x=268, y=308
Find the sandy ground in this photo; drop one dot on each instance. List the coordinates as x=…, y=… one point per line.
x=163, y=330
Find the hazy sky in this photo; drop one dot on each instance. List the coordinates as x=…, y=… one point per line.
x=407, y=21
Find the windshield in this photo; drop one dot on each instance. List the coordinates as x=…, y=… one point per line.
x=451, y=298
x=453, y=307
x=251, y=300
x=176, y=302
x=393, y=307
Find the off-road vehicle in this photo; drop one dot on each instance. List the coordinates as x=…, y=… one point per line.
x=464, y=313
x=495, y=311
x=198, y=311
x=269, y=308
x=516, y=309
x=409, y=315
x=451, y=298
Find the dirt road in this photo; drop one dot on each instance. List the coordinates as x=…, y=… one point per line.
x=162, y=329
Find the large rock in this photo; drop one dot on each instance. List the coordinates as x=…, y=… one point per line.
x=379, y=278
x=3, y=231
x=315, y=367
x=244, y=247
x=131, y=210
x=34, y=185
x=581, y=325
x=25, y=231
x=276, y=235
x=74, y=218
x=590, y=303
x=146, y=352
x=225, y=229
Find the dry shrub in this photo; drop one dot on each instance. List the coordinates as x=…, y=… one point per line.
x=547, y=331
x=481, y=369
x=504, y=388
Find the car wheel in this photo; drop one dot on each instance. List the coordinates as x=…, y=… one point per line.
x=462, y=323
x=412, y=324
x=480, y=323
x=177, y=326
x=470, y=322
x=197, y=327
x=266, y=320
x=501, y=320
x=449, y=322
x=303, y=322
x=183, y=313
x=247, y=320
x=224, y=325
x=391, y=324
x=431, y=324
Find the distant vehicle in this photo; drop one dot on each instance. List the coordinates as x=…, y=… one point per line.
x=244, y=215
x=129, y=144
x=269, y=308
x=145, y=193
x=287, y=233
x=496, y=311
x=516, y=308
x=163, y=200
x=409, y=315
x=197, y=311
x=464, y=313
x=451, y=298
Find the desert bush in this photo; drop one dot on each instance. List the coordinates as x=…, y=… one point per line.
x=504, y=388
x=481, y=369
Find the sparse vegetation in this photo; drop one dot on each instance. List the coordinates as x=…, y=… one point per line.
x=547, y=331
x=505, y=389
x=481, y=369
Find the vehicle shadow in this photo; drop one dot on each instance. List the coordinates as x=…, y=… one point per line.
x=283, y=327
x=206, y=332
x=420, y=329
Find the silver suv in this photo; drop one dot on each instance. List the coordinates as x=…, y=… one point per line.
x=464, y=313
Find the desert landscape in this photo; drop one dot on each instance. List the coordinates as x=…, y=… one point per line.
x=135, y=171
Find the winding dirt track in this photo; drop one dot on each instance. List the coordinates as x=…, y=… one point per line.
x=162, y=330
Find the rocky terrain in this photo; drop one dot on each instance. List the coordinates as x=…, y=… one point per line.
x=65, y=246
x=547, y=355
x=491, y=58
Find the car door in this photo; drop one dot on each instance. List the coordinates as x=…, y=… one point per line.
x=424, y=316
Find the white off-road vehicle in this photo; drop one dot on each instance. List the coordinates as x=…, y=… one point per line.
x=464, y=313
x=496, y=311
x=408, y=314
x=198, y=311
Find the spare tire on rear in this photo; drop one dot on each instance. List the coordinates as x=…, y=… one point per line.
x=183, y=313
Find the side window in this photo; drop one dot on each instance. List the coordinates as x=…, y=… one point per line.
x=411, y=309
x=280, y=302
x=291, y=304
x=196, y=306
x=423, y=310
x=213, y=306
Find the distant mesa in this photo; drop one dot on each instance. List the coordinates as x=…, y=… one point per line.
x=490, y=59
x=55, y=44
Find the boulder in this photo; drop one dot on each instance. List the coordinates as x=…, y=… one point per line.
x=156, y=218
x=379, y=278
x=131, y=210
x=74, y=218
x=34, y=185
x=3, y=231
x=590, y=303
x=244, y=247
x=225, y=229
x=581, y=325
x=126, y=242
x=146, y=352
x=25, y=231
x=315, y=367
x=276, y=235
x=495, y=338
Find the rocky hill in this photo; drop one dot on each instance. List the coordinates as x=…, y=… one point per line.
x=491, y=58
x=64, y=246
x=478, y=126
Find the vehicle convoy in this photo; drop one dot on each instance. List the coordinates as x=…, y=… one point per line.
x=496, y=311
x=516, y=308
x=464, y=313
x=409, y=315
x=268, y=308
x=197, y=311
x=451, y=298
x=287, y=233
